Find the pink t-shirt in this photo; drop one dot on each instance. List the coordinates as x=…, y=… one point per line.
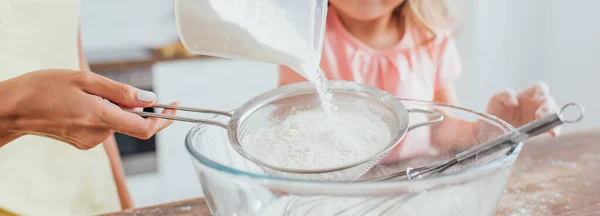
x=405, y=70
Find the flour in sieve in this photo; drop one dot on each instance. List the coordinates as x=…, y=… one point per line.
x=315, y=139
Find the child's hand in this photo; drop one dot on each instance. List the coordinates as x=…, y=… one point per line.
x=524, y=107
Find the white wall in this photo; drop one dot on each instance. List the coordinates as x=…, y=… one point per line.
x=573, y=49
x=515, y=43
x=500, y=49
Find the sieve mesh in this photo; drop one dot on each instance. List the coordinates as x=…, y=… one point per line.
x=273, y=109
x=275, y=112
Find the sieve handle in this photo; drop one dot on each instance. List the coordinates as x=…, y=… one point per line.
x=184, y=119
x=438, y=118
x=521, y=134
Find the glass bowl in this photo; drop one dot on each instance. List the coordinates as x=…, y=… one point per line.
x=232, y=185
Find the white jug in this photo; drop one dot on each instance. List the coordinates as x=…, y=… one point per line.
x=284, y=32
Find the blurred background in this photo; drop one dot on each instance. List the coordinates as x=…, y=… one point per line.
x=503, y=44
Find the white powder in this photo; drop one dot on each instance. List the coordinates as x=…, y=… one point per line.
x=314, y=139
x=254, y=30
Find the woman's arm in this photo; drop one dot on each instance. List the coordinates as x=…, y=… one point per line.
x=8, y=116
x=110, y=146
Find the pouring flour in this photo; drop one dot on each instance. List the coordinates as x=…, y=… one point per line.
x=260, y=31
x=287, y=33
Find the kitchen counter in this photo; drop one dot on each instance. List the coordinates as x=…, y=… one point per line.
x=551, y=177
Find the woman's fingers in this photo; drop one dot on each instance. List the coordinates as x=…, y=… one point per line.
x=132, y=124
x=138, y=109
x=115, y=116
x=158, y=124
x=120, y=93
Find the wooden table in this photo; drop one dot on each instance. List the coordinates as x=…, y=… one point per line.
x=551, y=177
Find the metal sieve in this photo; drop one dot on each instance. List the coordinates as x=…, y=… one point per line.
x=272, y=107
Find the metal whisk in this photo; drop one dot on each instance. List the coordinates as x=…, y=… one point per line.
x=387, y=205
x=340, y=206
x=508, y=140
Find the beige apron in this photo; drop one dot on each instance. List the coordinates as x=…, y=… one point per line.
x=41, y=176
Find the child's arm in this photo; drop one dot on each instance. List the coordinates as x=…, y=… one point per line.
x=447, y=94
x=288, y=76
x=453, y=134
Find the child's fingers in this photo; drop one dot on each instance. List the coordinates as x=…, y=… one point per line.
x=555, y=132
x=542, y=111
x=507, y=98
x=548, y=107
x=551, y=104
x=539, y=89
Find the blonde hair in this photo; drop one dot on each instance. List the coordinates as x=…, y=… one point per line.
x=428, y=16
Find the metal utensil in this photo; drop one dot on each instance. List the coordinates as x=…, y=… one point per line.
x=274, y=106
x=508, y=140
x=387, y=205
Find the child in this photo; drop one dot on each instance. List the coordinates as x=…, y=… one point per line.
x=406, y=48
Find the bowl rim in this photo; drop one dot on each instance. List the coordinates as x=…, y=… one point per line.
x=455, y=178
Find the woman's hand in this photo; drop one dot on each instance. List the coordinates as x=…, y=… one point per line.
x=74, y=107
x=521, y=108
